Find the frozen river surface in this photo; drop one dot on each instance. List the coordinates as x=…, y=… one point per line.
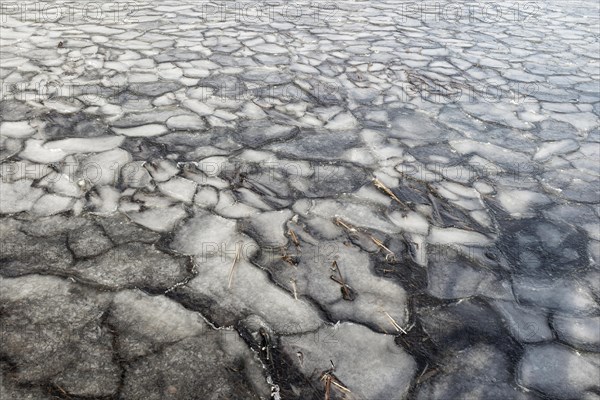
x=364, y=200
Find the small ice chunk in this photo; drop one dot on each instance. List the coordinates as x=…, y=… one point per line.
x=342, y=121
x=455, y=235
x=548, y=149
x=306, y=69
x=483, y=187
x=9, y=147
x=169, y=71
x=481, y=217
x=135, y=175
x=410, y=222
x=16, y=129
x=584, y=121
x=50, y=204
x=564, y=295
x=204, y=232
x=451, y=276
x=359, y=156
x=162, y=170
x=85, y=145
x=229, y=206
x=104, y=168
x=64, y=106
x=13, y=110
x=526, y=324
x=179, y=188
x=417, y=126
x=519, y=203
x=199, y=107
x=164, y=100
x=142, y=131
x=252, y=111
x=558, y=371
x=159, y=219
x=104, y=200
x=269, y=227
x=490, y=153
x=62, y=184
x=253, y=199
x=186, y=122
x=206, y=197
x=152, y=200
x=143, y=78
x=36, y=152
x=501, y=113
x=269, y=48
x=18, y=196
x=583, y=333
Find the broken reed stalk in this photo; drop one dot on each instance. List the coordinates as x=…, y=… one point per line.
x=379, y=185
x=294, y=237
x=291, y=259
x=346, y=293
x=232, y=269
x=266, y=343
x=63, y=391
x=288, y=258
x=426, y=374
x=379, y=243
x=340, y=222
x=330, y=379
x=336, y=382
x=327, y=386
x=394, y=323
